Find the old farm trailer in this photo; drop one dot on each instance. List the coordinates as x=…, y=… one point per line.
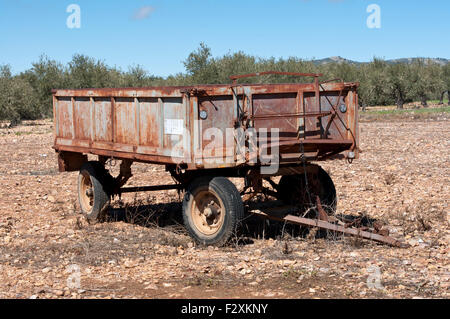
x=203, y=135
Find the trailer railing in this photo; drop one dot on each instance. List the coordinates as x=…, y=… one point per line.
x=318, y=87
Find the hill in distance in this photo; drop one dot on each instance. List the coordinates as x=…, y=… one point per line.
x=338, y=59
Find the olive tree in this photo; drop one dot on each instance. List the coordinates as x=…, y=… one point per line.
x=137, y=76
x=86, y=72
x=45, y=75
x=16, y=98
x=372, y=78
x=200, y=67
x=397, y=83
x=424, y=80
x=446, y=83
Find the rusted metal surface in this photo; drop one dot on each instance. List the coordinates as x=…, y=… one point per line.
x=71, y=161
x=172, y=126
x=149, y=188
x=284, y=213
x=163, y=124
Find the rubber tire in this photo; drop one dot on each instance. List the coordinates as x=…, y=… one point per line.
x=327, y=192
x=98, y=176
x=234, y=209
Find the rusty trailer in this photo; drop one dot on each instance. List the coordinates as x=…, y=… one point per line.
x=205, y=134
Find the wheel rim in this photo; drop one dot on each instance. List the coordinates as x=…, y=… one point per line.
x=86, y=192
x=207, y=212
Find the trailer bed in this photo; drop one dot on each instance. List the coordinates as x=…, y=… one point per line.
x=162, y=124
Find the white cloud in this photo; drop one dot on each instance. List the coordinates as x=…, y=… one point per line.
x=143, y=13
x=335, y=1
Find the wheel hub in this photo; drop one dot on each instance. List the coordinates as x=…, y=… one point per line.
x=89, y=192
x=207, y=213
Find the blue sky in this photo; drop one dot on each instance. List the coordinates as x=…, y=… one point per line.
x=159, y=34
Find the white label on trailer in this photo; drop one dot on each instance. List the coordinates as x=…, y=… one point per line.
x=173, y=126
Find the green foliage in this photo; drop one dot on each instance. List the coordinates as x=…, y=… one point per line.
x=45, y=75
x=28, y=94
x=16, y=98
x=86, y=72
x=200, y=66
x=425, y=80
x=446, y=77
x=373, y=90
x=231, y=64
x=397, y=82
x=137, y=76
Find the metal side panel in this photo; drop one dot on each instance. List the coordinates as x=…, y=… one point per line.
x=125, y=121
x=82, y=118
x=64, y=117
x=162, y=124
x=150, y=123
x=102, y=119
x=216, y=127
x=173, y=123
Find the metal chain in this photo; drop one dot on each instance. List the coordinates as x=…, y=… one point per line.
x=302, y=150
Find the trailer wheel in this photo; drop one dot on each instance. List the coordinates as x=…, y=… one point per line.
x=92, y=195
x=292, y=190
x=212, y=210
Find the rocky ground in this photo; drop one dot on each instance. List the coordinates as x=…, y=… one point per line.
x=47, y=250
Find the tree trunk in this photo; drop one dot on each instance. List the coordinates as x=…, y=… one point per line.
x=400, y=101
x=441, y=101
x=362, y=105
x=424, y=101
